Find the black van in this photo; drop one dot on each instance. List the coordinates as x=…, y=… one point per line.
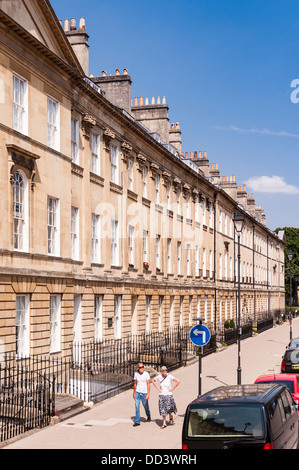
x=261, y=416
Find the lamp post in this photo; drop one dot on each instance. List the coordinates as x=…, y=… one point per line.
x=290, y=256
x=239, y=223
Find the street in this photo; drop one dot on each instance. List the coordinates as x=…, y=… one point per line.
x=109, y=425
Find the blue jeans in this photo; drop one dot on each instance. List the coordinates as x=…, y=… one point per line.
x=140, y=397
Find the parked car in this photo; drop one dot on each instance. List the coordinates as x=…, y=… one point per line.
x=290, y=361
x=242, y=416
x=289, y=380
x=294, y=343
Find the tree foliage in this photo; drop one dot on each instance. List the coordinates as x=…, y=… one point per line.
x=292, y=244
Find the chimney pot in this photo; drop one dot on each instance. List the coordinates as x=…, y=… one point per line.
x=146, y=101
x=125, y=71
x=153, y=100
x=135, y=101
x=66, y=25
x=104, y=73
x=82, y=24
x=141, y=101
x=117, y=72
x=200, y=154
x=158, y=100
x=73, y=24
x=164, y=100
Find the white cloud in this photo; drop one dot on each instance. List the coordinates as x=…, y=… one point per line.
x=271, y=184
x=257, y=131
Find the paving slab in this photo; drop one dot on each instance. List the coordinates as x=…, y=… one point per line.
x=109, y=425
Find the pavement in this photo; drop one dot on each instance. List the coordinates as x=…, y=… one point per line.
x=109, y=424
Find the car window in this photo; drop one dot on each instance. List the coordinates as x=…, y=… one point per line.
x=276, y=417
x=293, y=356
x=220, y=421
x=291, y=402
x=288, y=383
x=286, y=406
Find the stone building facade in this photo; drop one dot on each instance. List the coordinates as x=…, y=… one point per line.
x=107, y=228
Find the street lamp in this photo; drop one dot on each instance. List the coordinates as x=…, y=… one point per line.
x=290, y=256
x=239, y=223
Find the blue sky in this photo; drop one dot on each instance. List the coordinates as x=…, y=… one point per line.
x=226, y=69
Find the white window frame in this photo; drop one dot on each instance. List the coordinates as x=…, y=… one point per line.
x=130, y=173
x=169, y=264
x=157, y=187
x=114, y=243
x=179, y=257
x=145, y=246
x=196, y=260
x=160, y=317
x=196, y=209
x=22, y=325
x=204, y=206
x=75, y=140
x=20, y=212
x=131, y=244
x=204, y=262
x=95, y=153
x=220, y=220
x=114, y=164
x=147, y=314
x=53, y=123
x=211, y=263
x=158, y=241
x=117, y=316
x=178, y=201
x=53, y=215
x=188, y=260
x=75, y=234
x=55, y=323
x=144, y=181
x=211, y=216
x=188, y=207
x=20, y=104
x=220, y=266
x=181, y=309
x=168, y=187
x=95, y=238
x=98, y=318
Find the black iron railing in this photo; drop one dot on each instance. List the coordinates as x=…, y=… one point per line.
x=27, y=395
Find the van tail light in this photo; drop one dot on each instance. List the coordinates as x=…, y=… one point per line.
x=184, y=446
x=269, y=445
x=283, y=365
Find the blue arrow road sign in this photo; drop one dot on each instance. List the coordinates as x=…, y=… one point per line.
x=200, y=335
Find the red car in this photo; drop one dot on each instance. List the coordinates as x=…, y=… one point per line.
x=290, y=380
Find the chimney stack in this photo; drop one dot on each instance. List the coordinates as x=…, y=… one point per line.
x=117, y=88
x=78, y=39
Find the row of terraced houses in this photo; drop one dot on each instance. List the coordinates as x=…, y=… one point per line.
x=107, y=227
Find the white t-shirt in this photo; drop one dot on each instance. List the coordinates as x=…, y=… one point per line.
x=165, y=383
x=141, y=381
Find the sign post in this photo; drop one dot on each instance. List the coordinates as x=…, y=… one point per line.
x=200, y=336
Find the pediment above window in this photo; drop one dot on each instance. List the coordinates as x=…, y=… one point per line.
x=24, y=159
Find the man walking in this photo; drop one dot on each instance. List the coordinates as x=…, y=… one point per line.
x=141, y=393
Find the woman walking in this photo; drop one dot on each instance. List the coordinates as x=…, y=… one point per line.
x=163, y=384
